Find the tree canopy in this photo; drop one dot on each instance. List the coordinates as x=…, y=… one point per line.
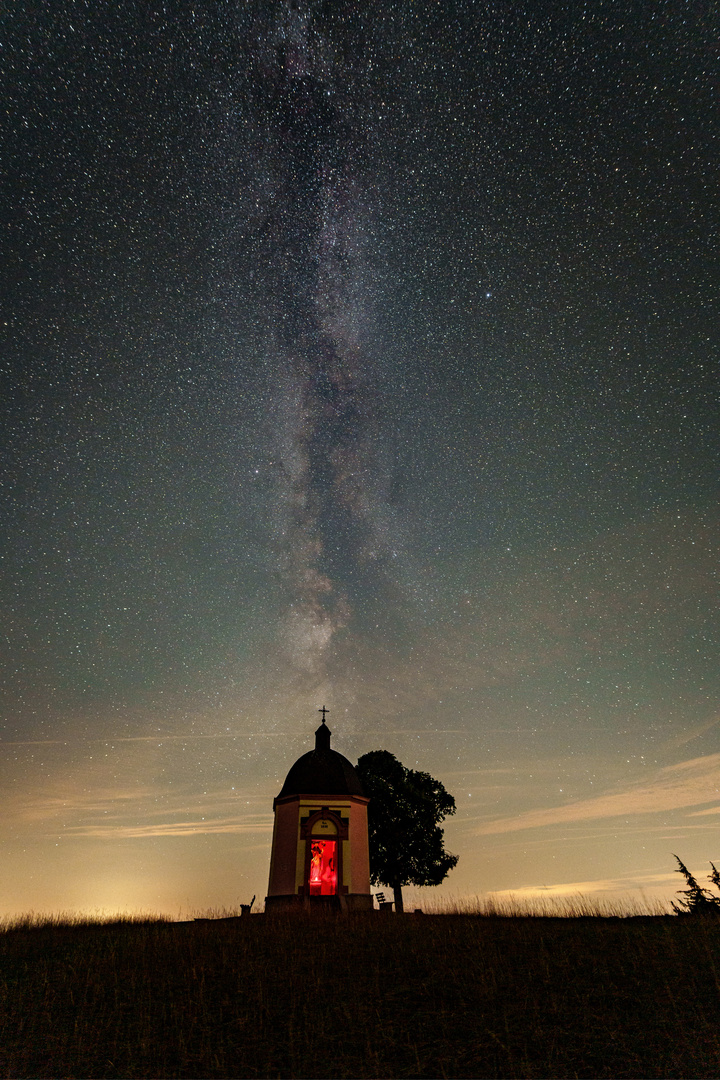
x=698, y=901
x=404, y=815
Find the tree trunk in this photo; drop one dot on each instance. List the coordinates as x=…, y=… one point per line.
x=397, y=890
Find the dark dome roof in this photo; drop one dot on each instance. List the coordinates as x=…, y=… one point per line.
x=322, y=771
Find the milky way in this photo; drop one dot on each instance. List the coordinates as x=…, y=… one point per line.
x=313, y=120
x=314, y=243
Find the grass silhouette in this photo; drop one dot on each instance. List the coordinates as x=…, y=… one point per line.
x=466, y=994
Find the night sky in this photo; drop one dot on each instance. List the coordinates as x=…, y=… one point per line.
x=361, y=355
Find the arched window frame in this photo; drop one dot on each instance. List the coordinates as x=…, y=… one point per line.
x=309, y=831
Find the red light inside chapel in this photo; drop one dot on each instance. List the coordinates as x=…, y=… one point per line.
x=323, y=868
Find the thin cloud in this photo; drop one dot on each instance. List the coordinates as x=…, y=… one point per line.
x=71, y=802
x=413, y=731
x=688, y=736
x=576, y=888
x=158, y=738
x=36, y=742
x=661, y=831
x=252, y=824
x=191, y=738
x=688, y=783
x=99, y=807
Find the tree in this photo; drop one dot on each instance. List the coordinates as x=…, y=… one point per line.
x=715, y=876
x=698, y=901
x=404, y=815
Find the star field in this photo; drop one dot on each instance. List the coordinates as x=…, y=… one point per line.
x=361, y=356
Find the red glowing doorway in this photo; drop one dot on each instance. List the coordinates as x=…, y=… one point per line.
x=323, y=868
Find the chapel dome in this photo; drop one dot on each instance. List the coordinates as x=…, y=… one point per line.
x=322, y=771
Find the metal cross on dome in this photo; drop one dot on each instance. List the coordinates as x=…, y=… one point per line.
x=323, y=711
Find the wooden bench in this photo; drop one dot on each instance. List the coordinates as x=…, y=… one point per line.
x=383, y=904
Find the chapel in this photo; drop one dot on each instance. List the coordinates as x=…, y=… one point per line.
x=320, y=856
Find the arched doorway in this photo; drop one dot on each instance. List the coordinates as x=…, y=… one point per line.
x=323, y=832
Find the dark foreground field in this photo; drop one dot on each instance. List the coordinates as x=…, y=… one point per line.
x=382, y=996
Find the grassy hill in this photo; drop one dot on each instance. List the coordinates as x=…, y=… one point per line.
x=371, y=996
